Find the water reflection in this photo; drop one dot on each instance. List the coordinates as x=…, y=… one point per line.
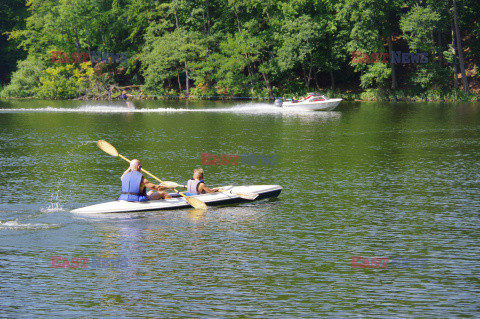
x=197, y=214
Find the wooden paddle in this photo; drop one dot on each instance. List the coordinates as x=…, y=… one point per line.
x=111, y=150
x=249, y=196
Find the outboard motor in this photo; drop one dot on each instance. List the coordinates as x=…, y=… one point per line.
x=278, y=102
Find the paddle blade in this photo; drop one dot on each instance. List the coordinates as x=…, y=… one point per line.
x=172, y=184
x=107, y=147
x=196, y=203
x=249, y=196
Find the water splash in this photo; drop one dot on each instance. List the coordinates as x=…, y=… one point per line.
x=56, y=198
x=54, y=207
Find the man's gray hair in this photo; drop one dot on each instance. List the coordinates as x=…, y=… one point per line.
x=134, y=163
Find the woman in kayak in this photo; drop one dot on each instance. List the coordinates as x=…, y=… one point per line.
x=196, y=185
x=134, y=186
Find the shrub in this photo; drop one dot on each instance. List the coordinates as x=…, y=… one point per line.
x=25, y=80
x=65, y=81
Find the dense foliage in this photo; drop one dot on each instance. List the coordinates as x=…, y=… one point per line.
x=239, y=48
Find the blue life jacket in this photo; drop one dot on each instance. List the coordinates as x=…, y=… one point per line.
x=192, y=186
x=131, y=188
x=124, y=96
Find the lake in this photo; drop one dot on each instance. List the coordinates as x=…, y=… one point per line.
x=378, y=217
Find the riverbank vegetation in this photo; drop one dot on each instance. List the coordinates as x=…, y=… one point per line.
x=356, y=49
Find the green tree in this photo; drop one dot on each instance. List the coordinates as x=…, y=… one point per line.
x=300, y=43
x=13, y=13
x=168, y=56
x=236, y=59
x=417, y=26
x=25, y=80
x=372, y=25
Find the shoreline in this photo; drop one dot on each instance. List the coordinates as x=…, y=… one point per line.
x=373, y=95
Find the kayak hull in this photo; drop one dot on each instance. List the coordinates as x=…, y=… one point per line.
x=231, y=195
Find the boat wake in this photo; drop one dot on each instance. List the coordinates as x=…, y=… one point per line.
x=16, y=225
x=253, y=108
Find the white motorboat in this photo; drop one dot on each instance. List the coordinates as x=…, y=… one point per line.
x=228, y=195
x=313, y=102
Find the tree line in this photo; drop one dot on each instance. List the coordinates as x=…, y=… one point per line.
x=237, y=47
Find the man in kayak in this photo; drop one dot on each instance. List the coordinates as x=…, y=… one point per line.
x=134, y=186
x=196, y=185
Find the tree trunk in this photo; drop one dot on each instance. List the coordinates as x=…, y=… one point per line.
x=207, y=32
x=207, y=10
x=440, y=58
x=310, y=70
x=268, y=15
x=187, y=87
x=89, y=51
x=459, y=48
x=332, y=79
x=305, y=77
x=392, y=65
x=179, y=82
x=176, y=19
x=238, y=19
x=87, y=36
x=307, y=74
x=267, y=84
x=77, y=42
x=249, y=67
x=455, y=70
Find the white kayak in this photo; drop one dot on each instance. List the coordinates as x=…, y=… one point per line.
x=228, y=195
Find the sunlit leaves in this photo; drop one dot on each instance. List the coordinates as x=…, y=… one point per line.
x=417, y=26
x=64, y=81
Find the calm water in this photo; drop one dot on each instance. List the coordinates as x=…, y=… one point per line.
x=386, y=180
